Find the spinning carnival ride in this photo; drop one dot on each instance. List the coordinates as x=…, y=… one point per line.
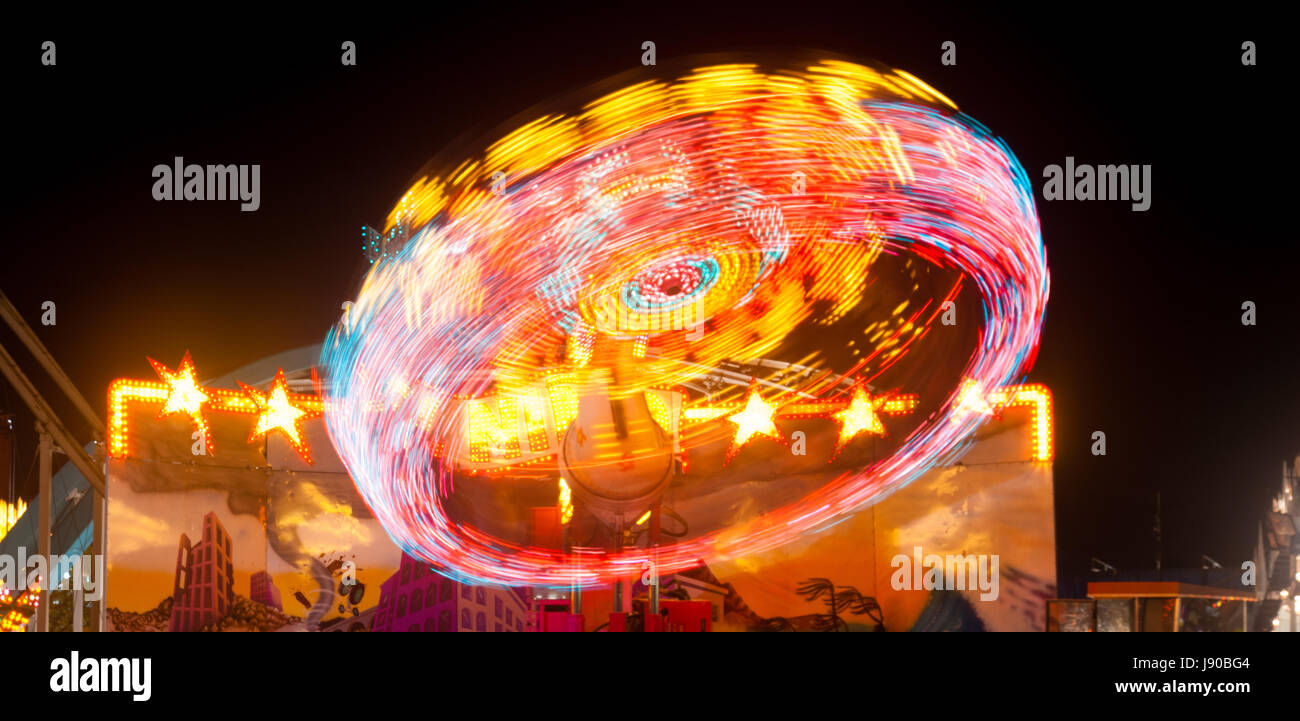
x=696, y=319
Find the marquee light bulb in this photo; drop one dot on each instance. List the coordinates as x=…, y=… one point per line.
x=184, y=395
x=860, y=417
x=277, y=412
x=755, y=419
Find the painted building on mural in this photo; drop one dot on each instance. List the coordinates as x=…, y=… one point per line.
x=294, y=522
x=290, y=510
x=416, y=598
x=204, y=586
x=261, y=588
x=362, y=621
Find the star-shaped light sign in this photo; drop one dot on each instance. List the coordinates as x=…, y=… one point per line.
x=860, y=416
x=184, y=395
x=972, y=398
x=754, y=420
x=179, y=392
x=277, y=411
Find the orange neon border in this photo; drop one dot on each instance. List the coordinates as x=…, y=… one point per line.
x=897, y=404
x=1029, y=395
x=1037, y=397
x=128, y=390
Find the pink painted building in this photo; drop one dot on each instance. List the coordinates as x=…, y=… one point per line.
x=262, y=590
x=205, y=578
x=417, y=598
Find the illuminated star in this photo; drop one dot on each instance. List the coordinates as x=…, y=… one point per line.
x=860, y=416
x=971, y=399
x=756, y=419
x=184, y=395
x=277, y=411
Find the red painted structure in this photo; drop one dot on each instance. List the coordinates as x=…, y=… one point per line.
x=205, y=578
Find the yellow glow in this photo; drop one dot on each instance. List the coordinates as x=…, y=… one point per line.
x=564, y=400
x=9, y=515
x=756, y=419
x=566, y=503
x=580, y=346
x=704, y=413
x=1039, y=399
x=860, y=417
x=659, y=411
x=16, y=620
x=184, y=395
x=124, y=391
x=279, y=413
x=493, y=425
x=971, y=399
x=535, y=424
x=925, y=88
x=900, y=404
x=276, y=410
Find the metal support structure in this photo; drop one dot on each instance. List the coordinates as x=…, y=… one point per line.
x=46, y=453
x=78, y=609
x=618, y=548
x=46, y=417
x=53, y=432
x=99, y=509
x=575, y=598
x=575, y=589
x=34, y=345
x=654, y=559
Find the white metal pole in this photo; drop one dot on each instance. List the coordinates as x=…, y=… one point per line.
x=78, y=602
x=46, y=451
x=99, y=548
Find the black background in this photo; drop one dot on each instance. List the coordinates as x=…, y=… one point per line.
x=1143, y=337
x=1030, y=674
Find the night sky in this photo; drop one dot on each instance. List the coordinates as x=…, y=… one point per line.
x=1143, y=337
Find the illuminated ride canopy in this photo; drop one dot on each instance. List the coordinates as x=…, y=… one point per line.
x=719, y=297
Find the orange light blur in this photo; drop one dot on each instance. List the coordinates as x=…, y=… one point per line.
x=16, y=611
x=565, y=502
x=276, y=410
x=1038, y=398
x=125, y=391
x=9, y=515
x=185, y=396
x=860, y=416
x=754, y=420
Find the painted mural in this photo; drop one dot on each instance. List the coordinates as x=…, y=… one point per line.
x=223, y=526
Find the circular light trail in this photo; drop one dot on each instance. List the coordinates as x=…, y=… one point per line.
x=738, y=202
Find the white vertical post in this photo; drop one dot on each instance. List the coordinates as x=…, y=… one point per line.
x=46, y=452
x=98, y=548
x=78, y=601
